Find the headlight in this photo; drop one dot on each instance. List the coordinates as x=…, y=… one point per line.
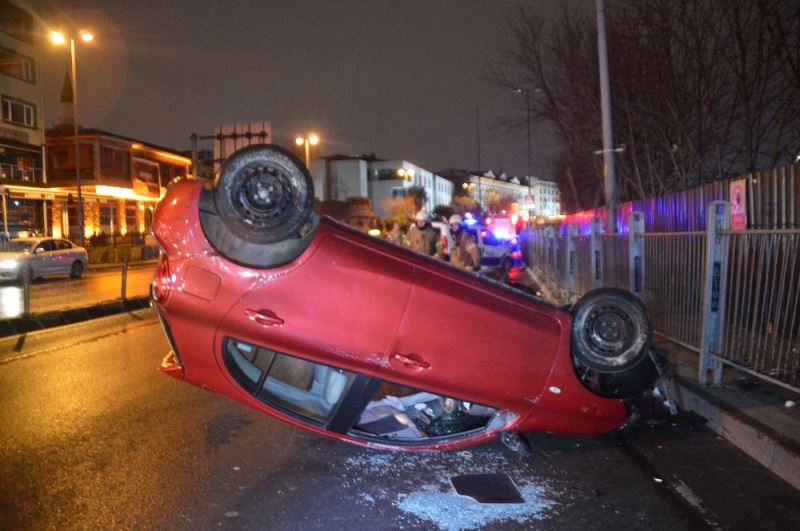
x=8, y=264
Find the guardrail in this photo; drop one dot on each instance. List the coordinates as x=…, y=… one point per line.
x=731, y=296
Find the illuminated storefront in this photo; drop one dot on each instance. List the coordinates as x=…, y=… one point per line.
x=122, y=180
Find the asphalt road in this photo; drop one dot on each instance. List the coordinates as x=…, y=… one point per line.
x=93, y=437
x=59, y=293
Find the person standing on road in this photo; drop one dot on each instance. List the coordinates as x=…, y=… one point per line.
x=465, y=253
x=422, y=236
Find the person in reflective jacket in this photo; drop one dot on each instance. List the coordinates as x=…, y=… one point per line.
x=422, y=236
x=465, y=253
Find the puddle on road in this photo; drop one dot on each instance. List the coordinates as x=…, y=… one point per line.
x=420, y=488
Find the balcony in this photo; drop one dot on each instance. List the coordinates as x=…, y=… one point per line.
x=12, y=174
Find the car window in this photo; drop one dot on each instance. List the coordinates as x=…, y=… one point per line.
x=312, y=390
x=19, y=246
x=400, y=414
x=47, y=245
x=63, y=244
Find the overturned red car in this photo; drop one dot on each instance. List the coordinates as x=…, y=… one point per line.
x=346, y=335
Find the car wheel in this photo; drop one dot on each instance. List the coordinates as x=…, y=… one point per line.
x=264, y=194
x=610, y=330
x=261, y=212
x=76, y=270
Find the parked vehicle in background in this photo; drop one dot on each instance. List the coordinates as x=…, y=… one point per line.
x=40, y=257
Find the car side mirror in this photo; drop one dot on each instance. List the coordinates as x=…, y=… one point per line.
x=38, y=250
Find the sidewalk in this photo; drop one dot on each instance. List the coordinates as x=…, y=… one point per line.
x=109, y=266
x=754, y=415
x=759, y=418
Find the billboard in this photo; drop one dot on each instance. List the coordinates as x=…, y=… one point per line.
x=229, y=138
x=146, y=179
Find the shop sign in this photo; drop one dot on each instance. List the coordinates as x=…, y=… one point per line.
x=38, y=195
x=739, y=205
x=146, y=179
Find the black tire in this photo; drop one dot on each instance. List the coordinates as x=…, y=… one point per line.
x=610, y=332
x=76, y=270
x=247, y=230
x=264, y=194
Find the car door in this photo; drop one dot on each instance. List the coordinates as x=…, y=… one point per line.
x=42, y=259
x=342, y=306
x=470, y=340
x=63, y=257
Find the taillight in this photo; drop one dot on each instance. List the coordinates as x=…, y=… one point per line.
x=162, y=283
x=445, y=250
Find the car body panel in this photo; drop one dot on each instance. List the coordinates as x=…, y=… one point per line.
x=363, y=305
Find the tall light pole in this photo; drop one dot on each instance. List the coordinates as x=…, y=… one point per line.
x=527, y=93
x=609, y=170
x=59, y=38
x=311, y=139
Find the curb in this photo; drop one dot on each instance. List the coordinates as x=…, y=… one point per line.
x=23, y=325
x=779, y=454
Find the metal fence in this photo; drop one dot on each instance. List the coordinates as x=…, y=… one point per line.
x=772, y=201
x=733, y=297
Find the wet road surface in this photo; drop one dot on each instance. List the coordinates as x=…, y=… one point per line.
x=92, y=436
x=60, y=293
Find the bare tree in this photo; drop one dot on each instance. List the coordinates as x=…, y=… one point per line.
x=702, y=90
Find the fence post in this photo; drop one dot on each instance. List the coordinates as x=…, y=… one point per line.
x=124, y=279
x=597, y=252
x=572, y=234
x=636, y=252
x=26, y=291
x=718, y=223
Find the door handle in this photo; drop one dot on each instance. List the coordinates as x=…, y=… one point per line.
x=415, y=362
x=264, y=317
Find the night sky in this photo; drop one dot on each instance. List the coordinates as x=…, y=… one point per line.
x=401, y=79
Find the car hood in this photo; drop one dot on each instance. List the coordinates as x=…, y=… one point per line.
x=12, y=256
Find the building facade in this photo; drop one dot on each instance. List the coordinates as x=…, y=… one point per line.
x=342, y=177
x=21, y=130
x=122, y=181
x=536, y=197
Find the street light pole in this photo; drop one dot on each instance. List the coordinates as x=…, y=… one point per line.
x=59, y=38
x=527, y=93
x=77, y=141
x=311, y=139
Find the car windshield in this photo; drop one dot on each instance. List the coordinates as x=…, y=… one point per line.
x=19, y=246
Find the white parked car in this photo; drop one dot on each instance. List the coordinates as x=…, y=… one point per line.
x=41, y=257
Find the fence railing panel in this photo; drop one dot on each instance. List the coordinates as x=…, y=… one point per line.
x=763, y=317
x=673, y=285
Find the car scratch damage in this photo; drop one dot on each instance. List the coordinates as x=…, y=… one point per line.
x=430, y=500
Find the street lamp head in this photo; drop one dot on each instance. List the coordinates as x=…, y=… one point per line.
x=56, y=37
x=86, y=36
x=313, y=139
x=299, y=140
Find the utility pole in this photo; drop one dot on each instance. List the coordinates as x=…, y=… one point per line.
x=609, y=171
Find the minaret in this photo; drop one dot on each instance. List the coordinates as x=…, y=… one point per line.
x=65, y=114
